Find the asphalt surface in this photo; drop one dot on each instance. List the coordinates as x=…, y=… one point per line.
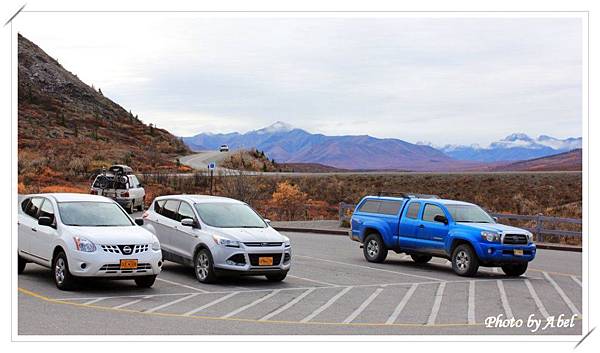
x=330, y=289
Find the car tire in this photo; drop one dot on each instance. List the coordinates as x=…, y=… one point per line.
x=464, y=261
x=374, y=249
x=21, y=265
x=145, y=281
x=515, y=270
x=204, y=267
x=421, y=259
x=130, y=209
x=276, y=277
x=63, y=278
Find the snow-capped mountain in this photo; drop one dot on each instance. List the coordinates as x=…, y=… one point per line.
x=514, y=147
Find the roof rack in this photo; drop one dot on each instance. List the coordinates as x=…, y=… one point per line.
x=408, y=195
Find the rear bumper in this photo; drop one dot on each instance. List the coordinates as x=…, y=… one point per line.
x=497, y=254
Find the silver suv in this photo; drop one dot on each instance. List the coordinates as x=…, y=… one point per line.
x=218, y=235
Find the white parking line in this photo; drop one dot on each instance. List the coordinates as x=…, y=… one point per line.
x=471, y=312
x=326, y=305
x=314, y=281
x=371, y=268
x=93, y=301
x=258, y=301
x=504, y=299
x=171, y=303
x=217, y=301
x=288, y=305
x=576, y=280
x=182, y=285
x=129, y=303
x=436, y=304
x=402, y=304
x=562, y=294
x=537, y=300
x=363, y=306
x=495, y=269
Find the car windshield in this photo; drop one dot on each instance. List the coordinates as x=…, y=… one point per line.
x=229, y=215
x=93, y=214
x=469, y=214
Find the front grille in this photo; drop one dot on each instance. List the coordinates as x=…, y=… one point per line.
x=517, y=239
x=237, y=259
x=116, y=268
x=258, y=243
x=254, y=258
x=125, y=249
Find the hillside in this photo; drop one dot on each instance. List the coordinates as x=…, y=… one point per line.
x=287, y=144
x=67, y=129
x=567, y=161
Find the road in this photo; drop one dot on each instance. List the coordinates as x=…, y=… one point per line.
x=331, y=289
x=201, y=160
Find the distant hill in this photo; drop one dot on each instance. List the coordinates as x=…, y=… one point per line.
x=514, y=147
x=287, y=144
x=67, y=128
x=566, y=161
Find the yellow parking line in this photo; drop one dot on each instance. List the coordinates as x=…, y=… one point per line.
x=125, y=310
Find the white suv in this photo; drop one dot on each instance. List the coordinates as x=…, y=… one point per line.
x=218, y=235
x=119, y=184
x=79, y=235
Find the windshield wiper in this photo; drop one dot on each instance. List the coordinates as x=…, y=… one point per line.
x=250, y=227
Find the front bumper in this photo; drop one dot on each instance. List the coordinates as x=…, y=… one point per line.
x=229, y=259
x=497, y=253
x=105, y=264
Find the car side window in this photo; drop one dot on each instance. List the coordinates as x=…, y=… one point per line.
x=134, y=182
x=34, y=206
x=431, y=211
x=413, y=210
x=370, y=206
x=389, y=207
x=170, y=209
x=185, y=211
x=24, y=204
x=158, y=206
x=47, y=210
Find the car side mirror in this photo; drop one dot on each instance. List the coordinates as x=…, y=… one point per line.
x=139, y=221
x=268, y=221
x=495, y=219
x=45, y=221
x=441, y=219
x=188, y=222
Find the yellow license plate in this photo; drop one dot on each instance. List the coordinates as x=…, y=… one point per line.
x=129, y=264
x=518, y=252
x=265, y=261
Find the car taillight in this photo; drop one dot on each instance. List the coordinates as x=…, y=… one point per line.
x=125, y=194
x=146, y=214
x=93, y=192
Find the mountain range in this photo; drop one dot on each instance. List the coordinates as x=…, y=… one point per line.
x=285, y=143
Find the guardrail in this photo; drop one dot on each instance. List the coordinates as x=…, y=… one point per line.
x=346, y=209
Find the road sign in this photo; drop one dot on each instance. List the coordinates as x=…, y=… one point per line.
x=212, y=166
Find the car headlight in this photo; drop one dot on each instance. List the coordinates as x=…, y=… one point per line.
x=529, y=238
x=286, y=242
x=82, y=244
x=226, y=242
x=156, y=246
x=492, y=237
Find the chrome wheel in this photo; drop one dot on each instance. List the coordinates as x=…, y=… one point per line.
x=202, y=266
x=462, y=260
x=372, y=248
x=59, y=270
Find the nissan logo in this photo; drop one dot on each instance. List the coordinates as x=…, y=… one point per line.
x=126, y=250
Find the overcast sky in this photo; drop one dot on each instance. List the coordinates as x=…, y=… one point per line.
x=444, y=80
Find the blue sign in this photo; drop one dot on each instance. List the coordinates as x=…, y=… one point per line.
x=212, y=166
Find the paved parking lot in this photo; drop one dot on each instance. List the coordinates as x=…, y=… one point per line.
x=331, y=289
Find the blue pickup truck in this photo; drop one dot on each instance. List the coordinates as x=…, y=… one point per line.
x=425, y=226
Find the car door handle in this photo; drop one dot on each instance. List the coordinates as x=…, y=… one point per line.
x=34, y=229
x=421, y=226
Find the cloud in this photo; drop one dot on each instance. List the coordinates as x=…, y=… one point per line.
x=446, y=80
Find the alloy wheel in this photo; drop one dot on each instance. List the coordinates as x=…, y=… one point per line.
x=59, y=270
x=462, y=260
x=202, y=266
x=372, y=248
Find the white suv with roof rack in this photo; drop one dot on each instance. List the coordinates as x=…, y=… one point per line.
x=79, y=235
x=218, y=235
x=120, y=184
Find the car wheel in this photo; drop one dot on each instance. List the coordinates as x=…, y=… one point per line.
x=276, y=277
x=203, y=267
x=130, y=209
x=145, y=281
x=63, y=278
x=421, y=259
x=465, y=261
x=515, y=270
x=374, y=248
x=21, y=266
